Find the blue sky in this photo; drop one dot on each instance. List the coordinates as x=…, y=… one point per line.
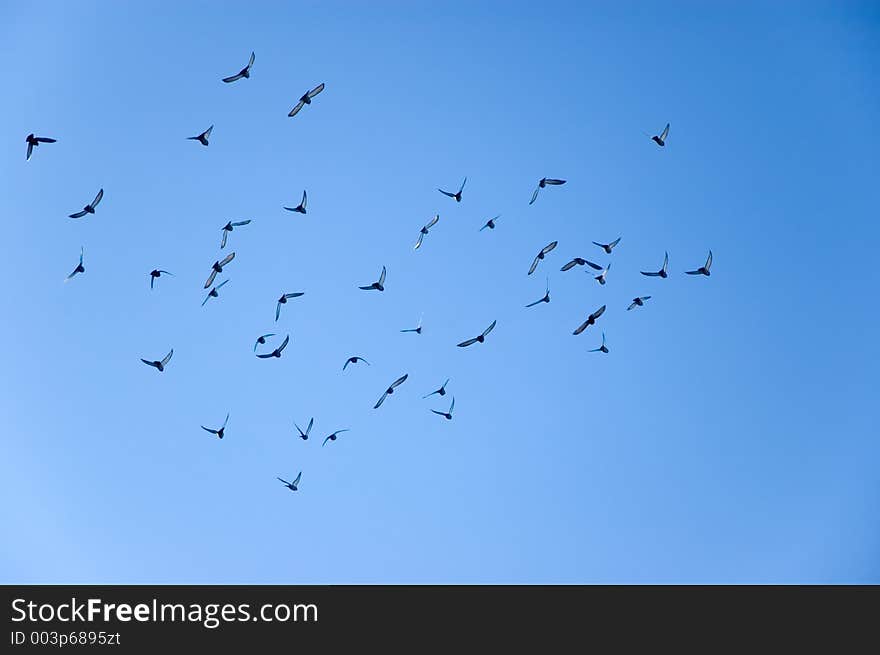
x=726, y=437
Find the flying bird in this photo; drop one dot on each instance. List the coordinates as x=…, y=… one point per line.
x=79, y=267
x=34, y=141
x=203, y=137
x=390, y=390
x=456, y=195
x=213, y=292
x=479, y=339
x=601, y=277
x=217, y=267
x=491, y=223
x=90, y=208
x=663, y=269
x=704, y=269
x=301, y=207
x=305, y=435
x=277, y=351
x=160, y=365
x=283, y=301
x=379, y=286
x=354, y=360
x=546, y=297
x=446, y=415
x=219, y=432
x=550, y=246
x=226, y=229
x=440, y=392
x=157, y=272
x=607, y=247
x=244, y=72
x=591, y=320
x=306, y=99
x=425, y=229
x=417, y=329
x=580, y=261
x=545, y=181
x=332, y=437
x=638, y=302
x=293, y=486
x=261, y=340
x=601, y=349
x=661, y=140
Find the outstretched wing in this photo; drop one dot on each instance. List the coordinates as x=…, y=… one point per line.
x=210, y=279
x=266, y=355
x=532, y=304
x=595, y=267
x=251, y=61
x=446, y=193
x=210, y=430
x=548, y=247
x=665, y=133
x=233, y=78
x=709, y=261
x=489, y=329
x=534, y=265
x=598, y=313
x=30, y=150
x=97, y=198
x=534, y=195
x=649, y=274
x=297, y=479
x=277, y=310
x=432, y=222
x=304, y=200
x=316, y=90
x=311, y=422
x=284, y=343
x=240, y=223
x=553, y=181
x=399, y=381
x=570, y=265
x=148, y=363
x=382, y=277
x=167, y=357
x=463, y=182
x=78, y=214
x=465, y=344
x=380, y=401
x=419, y=242
x=223, y=239
x=295, y=110
x=227, y=259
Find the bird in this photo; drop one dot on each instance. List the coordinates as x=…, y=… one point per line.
x=704, y=269
x=378, y=286
x=90, y=208
x=213, y=292
x=301, y=207
x=491, y=223
x=226, y=229
x=601, y=349
x=261, y=340
x=306, y=99
x=354, y=360
x=305, y=435
x=546, y=297
x=283, y=301
x=79, y=267
x=479, y=339
x=580, y=261
x=440, y=392
x=292, y=485
x=332, y=437
x=203, y=137
x=607, y=247
x=390, y=390
x=277, y=351
x=661, y=140
x=601, y=277
x=545, y=181
x=591, y=320
x=663, y=269
x=446, y=415
x=550, y=246
x=425, y=229
x=456, y=195
x=219, y=432
x=160, y=364
x=34, y=141
x=244, y=72
x=156, y=272
x=417, y=329
x=217, y=267
x=638, y=302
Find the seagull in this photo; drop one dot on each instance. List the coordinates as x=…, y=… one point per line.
x=354, y=360
x=704, y=269
x=491, y=223
x=203, y=137
x=301, y=207
x=425, y=229
x=219, y=432
x=156, y=272
x=292, y=485
x=283, y=300
x=479, y=339
x=213, y=292
x=638, y=302
x=244, y=72
x=79, y=267
x=390, y=390
x=440, y=392
x=217, y=267
x=545, y=181
x=159, y=365
x=601, y=277
x=456, y=195
x=261, y=340
x=607, y=247
x=663, y=269
x=417, y=329
x=306, y=99
x=226, y=229
x=90, y=208
x=580, y=261
x=446, y=415
x=305, y=435
x=661, y=140
x=601, y=349
x=591, y=320
x=332, y=437
x=379, y=286
x=277, y=351
x=34, y=141
x=550, y=246
x=546, y=297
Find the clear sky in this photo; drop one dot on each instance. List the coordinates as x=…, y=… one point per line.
x=726, y=437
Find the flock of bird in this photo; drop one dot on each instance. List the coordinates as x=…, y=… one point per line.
x=379, y=285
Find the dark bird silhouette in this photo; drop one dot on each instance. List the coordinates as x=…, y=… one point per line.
x=638, y=302
x=220, y=431
x=283, y=301
x=293, y=486
x=305, y=435
x=602, y=275
x=79, y=267
x=491, y=223
x=277, y=351
x=580, y=261
x=446, y=415
x=479, y=339
x=306, y=99
x=34, y=141
x=203, y=137
x=704, y=269
x=226, y=229
x=663, y=272
x=601, y=349
x=354, y=360
x=607, y=247
x=546, y=297
x=545, y=181
x=550, y=246
x=417, y=329
x=244, y=72
x=332, y=437
x=301, y=207
x=457, y=194
x=390, y=390
x=213, y=293
x=157, y=272
x=159, y=364
x=217, y=267
x=591, y=320
x=661, y=139
x=440, y=392
x=378, y=286
x=90, y=208
x=261, y=340
x=424, y=230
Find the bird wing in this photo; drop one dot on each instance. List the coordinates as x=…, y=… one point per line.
x=233, y=78
x=226, y=420
x=207, y=133
x=210, y=279
x=78, y=214
x=295, y=294
x=570, y=265
x=240, y=223
x=209, y=430
x=97, y=198
x=167, y=357
x=446, y=193
x=220, y=286
x=382, y=277
x=311, y=422
x=206, y=300
x=284, y=343
x=452, y=406
x=432, y=222
x=265, y=356
x=581, y=327
x=152, y=279
x=419, y=242
x=631, y=305
x=708, y=261
x=399, y=381
x=665, y=261
x=534, y=195
x=286, y=483
x=592, y=265
x=304, y=200
x=277, y=310
x=439, y=413
x=649, y=274
x=553, y=181
x=316, y=90
x=665, y=133
x=596, y=243
x=227, y=259
x=297, y=479
x=325, y=442
x=489, y=329
x=534, y=265
x=148, y=363
x=30, y=150
x=45, y=139
x=380, y=401
x=367, y=288
x=550, y=246
x=532, y=304
x=598, y=313
x=614, y=243
x=463, y=182
x=465, y=344
x=295, y=110
x=223, y=239
x=251, y=61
